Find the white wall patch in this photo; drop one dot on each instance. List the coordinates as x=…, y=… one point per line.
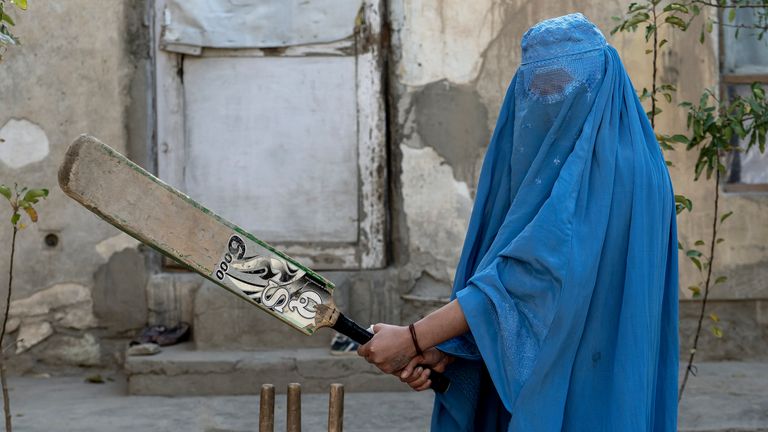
x=24, y=143
x=108, y=247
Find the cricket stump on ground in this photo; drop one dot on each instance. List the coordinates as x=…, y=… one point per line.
x=336, y=408
x=293, y=409
x=267, y=408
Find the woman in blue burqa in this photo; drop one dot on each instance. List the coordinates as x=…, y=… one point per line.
x=563, y=315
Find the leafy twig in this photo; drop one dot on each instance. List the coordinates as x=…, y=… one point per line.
x=21, y=200
x=703, y=308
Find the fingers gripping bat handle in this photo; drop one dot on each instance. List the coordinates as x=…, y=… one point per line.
x=344, y=325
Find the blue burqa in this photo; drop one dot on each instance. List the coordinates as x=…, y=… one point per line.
x=568, y=275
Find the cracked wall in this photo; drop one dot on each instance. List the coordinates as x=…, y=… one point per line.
x=75, y=72
x=449, y=63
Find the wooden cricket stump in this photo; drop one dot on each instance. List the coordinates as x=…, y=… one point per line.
x=267, y=408
x=336, y=408
x=293, y=409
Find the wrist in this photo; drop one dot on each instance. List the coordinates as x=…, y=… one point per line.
x=415, y=340
x=408, y=342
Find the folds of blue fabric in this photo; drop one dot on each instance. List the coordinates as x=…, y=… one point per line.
x=561, y=303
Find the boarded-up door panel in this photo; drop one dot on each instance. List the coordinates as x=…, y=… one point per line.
x=288, y=143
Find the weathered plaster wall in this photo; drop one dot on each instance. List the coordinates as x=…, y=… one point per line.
x=76, y=72
x=85, y=69
x=451, y=63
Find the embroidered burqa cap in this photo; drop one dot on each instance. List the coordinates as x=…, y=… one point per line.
x=568, y=274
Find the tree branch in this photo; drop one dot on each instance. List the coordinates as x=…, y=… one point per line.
x=702, y=311
x=731, y=5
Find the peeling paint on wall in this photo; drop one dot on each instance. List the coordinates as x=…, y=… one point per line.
x=436, y=206
x=23, y=143
x=108, y=247
x=445, y=39
x=62, y=305
x=32, y=334
x=451, y=119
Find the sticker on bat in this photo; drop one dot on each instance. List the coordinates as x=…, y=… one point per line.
x=269, y=280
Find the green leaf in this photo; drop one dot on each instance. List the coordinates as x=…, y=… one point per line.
x=680, y=245
x=758, y=91
x=7, y=18
x=650, y=29
x=682, y=139
x=693, y=253
x=732, y=15
x=696, y=262
x=720, y=240
x=721, y=279
x=696, y=10
x=677, y=7
x=725, y=216
x=713, y=316
x=33, y=195
x=636, y=19
x=683, y=203
x=21, y=4
x=699, y=243
x=676, y=22
x=695, y=290
x=717, y=332
x=15, y=218
x=5, y=191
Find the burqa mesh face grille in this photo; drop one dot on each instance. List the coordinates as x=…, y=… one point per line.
x=551, y=81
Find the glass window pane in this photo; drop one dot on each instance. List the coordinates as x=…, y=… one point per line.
x=750, y=167
x=744, y=54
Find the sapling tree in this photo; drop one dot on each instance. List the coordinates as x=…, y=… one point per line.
x=22, y=200
x=716, y=126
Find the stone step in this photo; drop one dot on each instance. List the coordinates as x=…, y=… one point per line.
x=183, y=371
x=224, y=322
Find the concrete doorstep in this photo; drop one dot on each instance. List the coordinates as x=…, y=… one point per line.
x=183, y=371
x=724, y=397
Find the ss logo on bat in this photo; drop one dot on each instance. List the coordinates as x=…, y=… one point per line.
x=268, y=280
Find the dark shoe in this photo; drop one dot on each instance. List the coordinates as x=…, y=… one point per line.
x=162, y=335
x=343, y=345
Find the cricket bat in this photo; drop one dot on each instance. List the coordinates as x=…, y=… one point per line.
x=138, y=203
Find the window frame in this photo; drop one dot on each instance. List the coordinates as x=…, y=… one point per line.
x=733, y=79
x=369, y=251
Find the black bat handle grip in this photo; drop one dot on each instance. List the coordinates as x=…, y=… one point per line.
x=344, y=325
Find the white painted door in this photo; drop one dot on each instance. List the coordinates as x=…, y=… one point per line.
x=275, y=121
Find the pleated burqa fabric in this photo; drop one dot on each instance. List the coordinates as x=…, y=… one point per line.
x=568, y=275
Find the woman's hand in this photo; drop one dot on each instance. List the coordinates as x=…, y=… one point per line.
x=417, y=376
x=391, y=348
